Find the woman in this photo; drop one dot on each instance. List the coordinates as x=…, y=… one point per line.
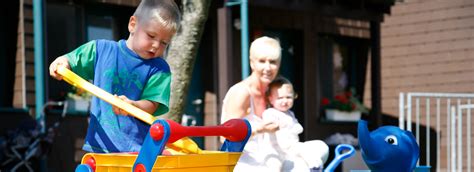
x=246, y=99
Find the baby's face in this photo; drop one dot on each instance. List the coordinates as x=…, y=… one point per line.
x=282, y=97
x=149, y=39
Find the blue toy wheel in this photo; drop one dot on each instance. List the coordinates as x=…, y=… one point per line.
x=83, y=168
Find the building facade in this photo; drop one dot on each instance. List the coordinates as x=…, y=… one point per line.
x=328, y=47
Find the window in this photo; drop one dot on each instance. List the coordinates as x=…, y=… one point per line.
x=342, y=65
x=100, y=27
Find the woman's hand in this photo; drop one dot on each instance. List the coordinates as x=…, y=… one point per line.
x=269, y=127
x=120, y=111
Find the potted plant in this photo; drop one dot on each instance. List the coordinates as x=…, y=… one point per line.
x=78, y=100
x=343, y=107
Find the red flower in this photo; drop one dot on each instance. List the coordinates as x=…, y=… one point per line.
x=344, y=101
x=341, y=98
x=348, y=94
x=325, y=101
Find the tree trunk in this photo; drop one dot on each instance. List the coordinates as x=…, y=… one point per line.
x=182, y=53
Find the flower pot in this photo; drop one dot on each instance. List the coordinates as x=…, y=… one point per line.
x=78, y=105
x=337, y=115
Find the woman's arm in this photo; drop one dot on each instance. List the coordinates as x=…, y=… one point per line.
x=237, y=103
x=236, y=106
x=268, y=127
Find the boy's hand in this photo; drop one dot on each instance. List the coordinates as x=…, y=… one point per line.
x=53, y=68
x=118, y=110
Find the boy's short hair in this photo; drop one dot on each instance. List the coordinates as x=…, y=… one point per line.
x=265, y=47
x=166, y=12
x=277, y=83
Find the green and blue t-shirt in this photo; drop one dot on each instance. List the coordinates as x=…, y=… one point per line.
x=118, y=70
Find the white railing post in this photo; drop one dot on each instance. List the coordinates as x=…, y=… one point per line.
x=428, y=124
x=448, y=129
x=438, y=134
x=401, y=111
x=469, y=153
x=417, y=122
x=459, y=134
x=453, y=139
x=408, y=112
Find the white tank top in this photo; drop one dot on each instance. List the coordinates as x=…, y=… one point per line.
x=252, y=156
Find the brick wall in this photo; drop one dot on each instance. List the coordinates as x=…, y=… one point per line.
x=24, y=87
x=427, y=46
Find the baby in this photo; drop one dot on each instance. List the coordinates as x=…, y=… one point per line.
x=295, y=155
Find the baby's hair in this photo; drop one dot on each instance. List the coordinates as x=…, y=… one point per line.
x=166, y=12
x=277, y=83
x=265, y=47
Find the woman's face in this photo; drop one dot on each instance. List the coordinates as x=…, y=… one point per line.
x=266, y=68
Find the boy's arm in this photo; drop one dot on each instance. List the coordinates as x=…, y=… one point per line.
x=81, y=61
x=157, y=91
x=145, y=105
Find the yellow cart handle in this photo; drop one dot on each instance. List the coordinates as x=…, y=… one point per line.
x=77, y=81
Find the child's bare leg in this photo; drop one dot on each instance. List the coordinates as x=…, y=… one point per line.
x=314, y=152
x=273, y=162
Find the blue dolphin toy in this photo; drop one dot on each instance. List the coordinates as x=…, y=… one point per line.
x=388, y=148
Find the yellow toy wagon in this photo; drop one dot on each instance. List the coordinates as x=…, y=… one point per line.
x=165, y=133
x=150, y=157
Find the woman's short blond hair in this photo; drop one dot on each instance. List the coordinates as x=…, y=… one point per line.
x=265, y=47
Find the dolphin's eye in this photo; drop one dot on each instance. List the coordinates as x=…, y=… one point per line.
x=391, y=140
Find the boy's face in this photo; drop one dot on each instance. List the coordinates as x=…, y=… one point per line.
x=148, y=39
x=281, y=98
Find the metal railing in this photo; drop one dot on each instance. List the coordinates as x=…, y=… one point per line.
x=448, y=113
x=460, y=110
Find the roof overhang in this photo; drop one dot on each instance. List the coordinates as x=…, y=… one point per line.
x=355, y=9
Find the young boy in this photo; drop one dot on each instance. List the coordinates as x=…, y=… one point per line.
x=285, y=141
x=131, y=68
